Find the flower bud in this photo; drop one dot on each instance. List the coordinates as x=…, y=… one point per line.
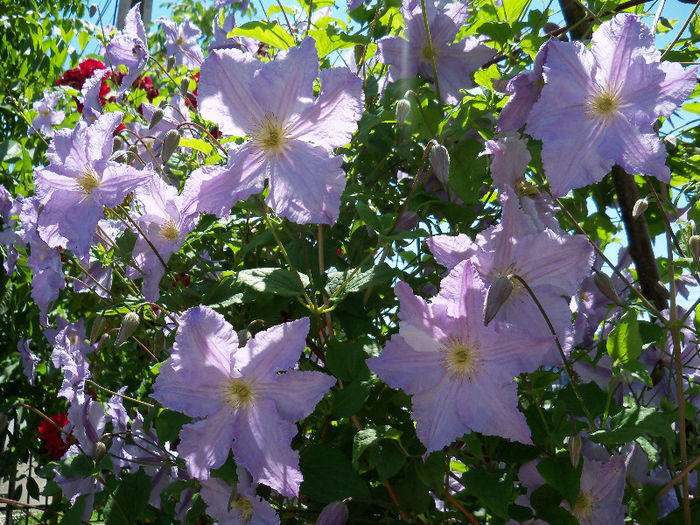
x=170, y=142
x=129, y=324
x=440, y=161
x=156, y=118
x=171, y=62
x=640, y=207
x=496, y=297
x=694, y=243
x=335, y=513
x=243, y=337
x=605, y=285
x=185, y=86
x=99, y=451
x=117, y=144
x=403, y=106
x=104, y=339
x=93, y=10
x=575, y=444
x=98, y=327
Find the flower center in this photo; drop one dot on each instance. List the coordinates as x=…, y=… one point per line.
x=169, y=231
x=270, y=135
x=179, y=41
x=461, y=359
x=584, y=507
x=603, y=105
x=239, y=393
x=88, y=180
x=244, y=507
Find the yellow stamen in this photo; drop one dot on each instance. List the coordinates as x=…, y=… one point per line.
x=585, y=507
x=461, y=359
x=239, y=393
x=270, y=135
x=169, y=231
x=603, y=105
x=88, y=180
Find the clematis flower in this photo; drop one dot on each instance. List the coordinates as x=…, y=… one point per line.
x=553, y=265
x=29, y=359
x=241, y=400
x=47, y=270
x=47, y=115
x=181, y=42
x=291, y=135
x=459, y=372
x=598, y=106
x=70, y=350
x=454, y=61
x=79, y=181
x=238, y=505
x=93, y=93
x=129, y=48
x=166, y=218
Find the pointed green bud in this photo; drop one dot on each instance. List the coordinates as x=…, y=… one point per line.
x=694, y=243
x=575, y=444
x=496, y=297
x=403, y=106
x=170, y=143
x=156, y=118
x=605, y=285
x=185, y=86
x=93, y=10
x=118, y=143
x=440, y=161
x=104, y=339
x=640, y=207
x=99, y=451
x=98, y=328
x=171, y=62
x=243, y=337
x=129, y=324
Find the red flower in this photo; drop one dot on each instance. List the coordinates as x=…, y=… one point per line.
x=191, y=98
x=77, y=76
x=53, y=438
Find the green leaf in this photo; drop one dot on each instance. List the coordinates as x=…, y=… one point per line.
x=350, y=399
x=268, y=32
x=388, y=458
x=432, y=471
x=74, y=515
x=10, y=151
x=78, y=465
x=273, y=280
x=346, y=361
x=368, y=437
x=494, y=490
x=624, y=343
x=372, y=276
x=412, y=494
x=371, y=218
x=329, y=475
x=514, y=9
x=559, y=473
x=633, y=422
x=328, y=41
x=129, y=500
x=198, y=144
x=169, y=423
x=638, y=371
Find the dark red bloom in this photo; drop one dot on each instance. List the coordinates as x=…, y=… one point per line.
x=77, y=76
x=53, y=438
x=191, y=98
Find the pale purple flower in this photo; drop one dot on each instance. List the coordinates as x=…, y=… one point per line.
x=47, y=115
x=47, y=270
x=243, y=5
x=166, y=218
x=129, y=48
x=223, y=41
x=602, y=486
x=79, y=181
x=174, y=114
x=291, y=134
x=102, y=274
x=240, y=399
x=92, y=105
x=598, y=106
x=70, y=350
x=29, y=359
x=552, y=264
x=524, y=90
x=454, y=61
x=459, y=372
x=237, y=505
x=181, y=42
x=9, y=208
